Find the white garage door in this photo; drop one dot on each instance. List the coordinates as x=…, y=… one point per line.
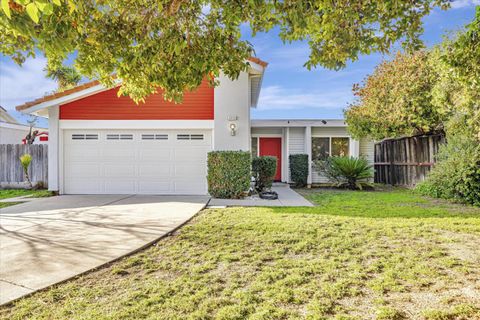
x=136, y=161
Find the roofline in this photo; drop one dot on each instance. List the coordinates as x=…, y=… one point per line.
x=86, y=89
x=298, y=123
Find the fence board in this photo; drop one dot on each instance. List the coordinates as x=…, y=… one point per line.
x=11, y=170
x=405, y=161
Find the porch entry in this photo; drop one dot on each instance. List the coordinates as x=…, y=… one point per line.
x=272, y=147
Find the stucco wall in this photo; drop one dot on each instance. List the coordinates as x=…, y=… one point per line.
x=231, y=100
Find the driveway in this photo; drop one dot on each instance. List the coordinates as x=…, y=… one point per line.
x=49, y=240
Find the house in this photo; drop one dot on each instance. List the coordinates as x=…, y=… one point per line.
x=104, y=144
x=13, y=132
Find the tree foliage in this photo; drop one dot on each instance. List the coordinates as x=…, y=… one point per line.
x=396, y=99
x=66, y=76
x=174, y=44
x=422, y=92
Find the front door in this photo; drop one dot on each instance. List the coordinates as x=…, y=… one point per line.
x=273, y=147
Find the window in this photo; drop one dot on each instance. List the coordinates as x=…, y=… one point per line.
x=340, y=147
x=254, y=147
x=84, y=136
x=119, y=136
x=189, y=136
x=322, y=148
x=154, y=136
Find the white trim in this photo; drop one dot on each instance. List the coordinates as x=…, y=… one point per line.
x=53, y=149
x=68, y=98
x=266, y=135
x=299, y=123
x=287, y=153
x=308, y=150
x=136, y=124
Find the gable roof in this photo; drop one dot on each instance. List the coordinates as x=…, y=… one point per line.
x=6, y=117
x=89, y=85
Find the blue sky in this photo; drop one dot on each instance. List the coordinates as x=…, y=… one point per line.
x=289, y=90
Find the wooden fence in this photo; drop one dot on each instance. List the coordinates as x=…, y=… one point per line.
x=11, y=171
x=405, y=161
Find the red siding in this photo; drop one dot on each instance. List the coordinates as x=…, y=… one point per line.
x=106, y=105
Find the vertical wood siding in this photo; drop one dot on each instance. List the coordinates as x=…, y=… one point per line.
x=11, y=170
x=106, y=105
x=406, y=161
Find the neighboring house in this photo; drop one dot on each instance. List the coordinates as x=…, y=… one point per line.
x=104, y=144
x=13, y=132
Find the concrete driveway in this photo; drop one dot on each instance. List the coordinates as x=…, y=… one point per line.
x=49, y=240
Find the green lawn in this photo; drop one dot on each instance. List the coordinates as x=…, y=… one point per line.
x=13, y=193
x=357, y=255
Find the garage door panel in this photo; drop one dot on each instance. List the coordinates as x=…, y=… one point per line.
x=84, y=186
x=155, y=154
x=190, y=153
x=155, y=187
x=119, y=153
x=119, y=170
x=159, y=170
x=120, y=186
x=142, y=164
x=80, y=170
x=83, y=153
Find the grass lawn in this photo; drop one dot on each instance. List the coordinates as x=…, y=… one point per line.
x=357, y=255
x=13, y=193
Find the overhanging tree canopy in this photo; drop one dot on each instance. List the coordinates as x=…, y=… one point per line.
x=173, y=44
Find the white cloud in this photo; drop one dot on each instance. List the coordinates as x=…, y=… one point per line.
x=277, y=97
x=19, y=84
x=464, y=3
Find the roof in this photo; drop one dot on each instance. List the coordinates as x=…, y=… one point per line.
x=298, y=123
x=6, y=117
x=91, y=84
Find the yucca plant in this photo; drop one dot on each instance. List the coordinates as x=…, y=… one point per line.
x=26, y=160
x=350, y=172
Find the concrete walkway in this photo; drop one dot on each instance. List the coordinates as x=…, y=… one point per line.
x=286, y=198
x=50, y=240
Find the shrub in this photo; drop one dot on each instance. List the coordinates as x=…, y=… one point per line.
x=228, y=174
x=457, y=173
x=25, y=160
x=299, y=169
x=263, y=170
x=347, y=172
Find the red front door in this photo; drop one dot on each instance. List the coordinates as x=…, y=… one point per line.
x=273, y=147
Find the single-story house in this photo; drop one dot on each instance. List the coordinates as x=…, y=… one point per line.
x=13, y=132
x=100, y=143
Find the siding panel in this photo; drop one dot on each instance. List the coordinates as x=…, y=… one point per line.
x=106, y=105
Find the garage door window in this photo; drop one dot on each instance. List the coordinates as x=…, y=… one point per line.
x=77, y=136
x=154, y=136
x=189, y=136
x=119, y=136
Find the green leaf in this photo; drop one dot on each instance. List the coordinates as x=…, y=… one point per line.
x=32, y=11
x=48, y=10
x=41, y=4
x=6, y=8
x=57, y=2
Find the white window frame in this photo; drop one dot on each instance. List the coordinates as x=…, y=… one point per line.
x=330, y=143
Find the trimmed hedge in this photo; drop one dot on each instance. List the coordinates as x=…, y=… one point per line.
x=228, y=174
x=263, y=170
x=299, y=169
